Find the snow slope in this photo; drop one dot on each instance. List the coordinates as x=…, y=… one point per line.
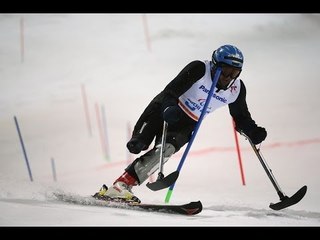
x=121, y=61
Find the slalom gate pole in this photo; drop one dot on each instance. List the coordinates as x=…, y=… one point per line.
x=102, y=139
x=86, y=109
x=23, y=148
x=146, y=31
x=210, y=94
x=53, y=170
x=105, y=132
x=129, y=156
x=238, y=152
x=22, y=39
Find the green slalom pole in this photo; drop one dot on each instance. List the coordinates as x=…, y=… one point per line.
x=210, y=94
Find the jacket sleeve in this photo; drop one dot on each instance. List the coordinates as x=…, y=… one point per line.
x=182, y=82
x=240, y=113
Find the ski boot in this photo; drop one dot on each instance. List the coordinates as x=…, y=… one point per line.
x=120, y=191
x=101, y=194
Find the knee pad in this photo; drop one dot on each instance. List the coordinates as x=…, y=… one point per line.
x=169, y=149
x=136, y=146
x=148, y=163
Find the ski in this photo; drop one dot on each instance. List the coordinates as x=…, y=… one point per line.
x=191, y=208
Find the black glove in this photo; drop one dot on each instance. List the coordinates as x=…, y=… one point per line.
x=172, y=114
x=135, y=146
x=257, y=135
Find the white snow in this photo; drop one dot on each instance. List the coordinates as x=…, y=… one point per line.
x=108, y=54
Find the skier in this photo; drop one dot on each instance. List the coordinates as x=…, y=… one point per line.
x=180, y=104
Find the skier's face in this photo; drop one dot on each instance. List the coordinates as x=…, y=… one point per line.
x=227, y=76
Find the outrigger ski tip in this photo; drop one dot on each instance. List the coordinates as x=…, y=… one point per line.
x=163, y=182
x=286, y=201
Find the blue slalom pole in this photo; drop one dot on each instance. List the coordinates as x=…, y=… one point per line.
x=210, y=94
x=23, y=148
x=53, y=170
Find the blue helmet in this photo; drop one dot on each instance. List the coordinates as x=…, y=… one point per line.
x=228, y=54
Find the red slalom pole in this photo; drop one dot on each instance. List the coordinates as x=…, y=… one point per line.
x=238, y=152
x=22, y=39
x=146, y=31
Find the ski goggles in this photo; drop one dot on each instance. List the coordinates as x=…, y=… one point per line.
x=231, y=72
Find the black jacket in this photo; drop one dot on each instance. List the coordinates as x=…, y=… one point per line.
x=187, y=77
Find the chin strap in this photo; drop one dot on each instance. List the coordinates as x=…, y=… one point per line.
x=224, y=89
